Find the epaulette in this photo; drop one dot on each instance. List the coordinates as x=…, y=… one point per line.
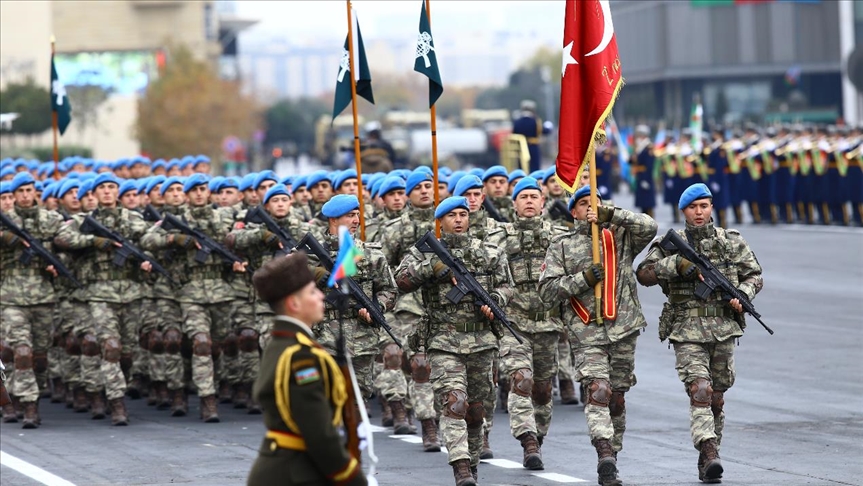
x=373, y=245
x=393, y=222
x=494, y=230
x=558, y=229
x=558, y=237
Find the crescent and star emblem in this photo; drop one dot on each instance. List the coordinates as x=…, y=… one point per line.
x=607, y=34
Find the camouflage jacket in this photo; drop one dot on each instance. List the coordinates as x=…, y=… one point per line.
x=107, y=282
x=480, y=225
x=202, y=283
x=74, y=261
x=684, y=317
x=562, y=280
x=524, y=242
x=397, y=237
x=162, y=288
x=504, y=207
x=375, y=225
x=301, y=212
x=25, y=284
x=458, y=328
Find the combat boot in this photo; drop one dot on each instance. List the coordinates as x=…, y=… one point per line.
x=97, y=406
x=179, y=406
x=31, y=415
x=430, y=440
x=19, y=407
x=400, y=418
x=69, y=397
x=225, y=395
x=606, y=467
x=163, y=399
x=209, y=409
x=135, y=387
x=79, y=400
x=386, y=412
x=486, y=453
x=567, y=393
x=9, y=415
x=152, y=393
x=241, y=397
x=474, y=471
x=58, y=390
x=532, y=455
x=254, y=407
x=119, y=416
x=462, y=473
x=503, y=393
x=709, y=465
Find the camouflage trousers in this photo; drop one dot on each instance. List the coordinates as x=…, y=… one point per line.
x=212, y=322
x=472, y=375
x=362, y=343
x=117, y=332
x=391, y=381
x=614, y=363
x=530, y=411
x=421, y=395
x=70, y=314
x=565, y=370
x=143, y=364
x=241, y=365
x=164, y=315
x=714, y=362
x=28, y=330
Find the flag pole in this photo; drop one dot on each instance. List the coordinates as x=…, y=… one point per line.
x=54, y=124
x=594, y=231
x=357, y=160
x=433, y=111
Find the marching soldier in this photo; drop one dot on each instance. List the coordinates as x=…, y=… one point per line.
x=604, y=347
x=392, y=193
x=496, y=186
x=703, y=331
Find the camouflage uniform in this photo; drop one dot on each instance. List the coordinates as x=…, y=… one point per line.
x=375, y=226
x=604, y=354
x=28, y=305
x=703, y=332
x=504, y=206
x=460, y=340
x=532, y=365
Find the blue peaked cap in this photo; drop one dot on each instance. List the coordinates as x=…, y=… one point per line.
x=449, y=204
x=525, y=183
x=340, y=205
x=694, y=193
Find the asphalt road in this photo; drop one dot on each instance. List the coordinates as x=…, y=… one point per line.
x=794, y=416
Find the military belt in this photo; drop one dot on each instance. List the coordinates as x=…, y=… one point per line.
x=25, y=272
x=333, y=314
x=533, y=140
x=205, y=273
x=285, y=440
x=472, y=327
x=711, y=311
x=453, y=308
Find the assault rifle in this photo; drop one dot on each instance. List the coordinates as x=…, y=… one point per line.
x=260, y=216
x=714, y=280
x=313, y=246
x=92, y=227
x=466, y=283
x=207, y=245
x=151, y=214
x=492, y=211
x=35, y=248
x=558, y=210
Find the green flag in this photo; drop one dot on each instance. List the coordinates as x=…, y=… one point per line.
x=426, y=61
x=59, y=100
x=343, y=82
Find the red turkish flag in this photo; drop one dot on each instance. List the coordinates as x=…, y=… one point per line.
x=591, y=80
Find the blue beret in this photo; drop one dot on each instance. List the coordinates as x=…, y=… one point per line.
x=45, y=168
x=5, y=186
x=7, y=171
x=453, y=180
x=467, y=182
x=194, y=181
x=128, y=185
x=19, y=162
x=525, y=183
x=214, y=183
x=445, y=171
x=449, y=204
x=159, y=163
x=538, y=175
x=228, y=182
x=376, y=186
x=344, y=176
x=331, y=176
x=120, y=163
x=247, y=181
x=694, y=193
x=580, y=193
x=38, y=186
x=139, y=160
x=85, y=187
x=22, y=179
x=299, y=181
x=516, y=174
x=442, y=178
x=366, y=178
x=494, y=171
x=278, y=189
x=67, y=186
x=262, y=176
x=287, y=180
x=339, y=205
x=33, y=164
x=170, y=181
x=315, y=178
x=49, y=191
x=424, y=168
x=416, y=178
x=201, y=159
x=403, y=173
x=153, y=182
x=142, y=184
x=476, y=171
x=549, y=173
x=172, y=164
x=87, y=175
x=105, y=177
x=187, y=161
x=391, y=183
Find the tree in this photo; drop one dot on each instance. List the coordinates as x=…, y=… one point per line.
x=190, y=110
x=86, y=100
x=31, y=102
x=294, y=121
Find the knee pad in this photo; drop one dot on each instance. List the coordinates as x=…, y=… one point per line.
x=700, y=392
x=455, y=404
x=248, y=341
x=40, y=362
x=229, y=346
x=155, y=342
x=392, y=356
x=421, y=368
x=144, y=340
x=7, y=354
x=217, y=350
x=522, y=382
x=475, y=414
x=90, y=345
x=112, y=350
x=618, y=404
x=717, y=402
x=599, y=393
x=202, y=345
x=23, y=358
x=125, y=362
x=57, y=340
x=73, y=345
x=541, y=392
x=173, y=341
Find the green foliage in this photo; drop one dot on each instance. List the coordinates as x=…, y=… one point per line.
x=32, y=102
x=46, y=153
x=294, y=121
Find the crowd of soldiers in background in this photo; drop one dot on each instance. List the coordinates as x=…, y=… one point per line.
x=782, y=174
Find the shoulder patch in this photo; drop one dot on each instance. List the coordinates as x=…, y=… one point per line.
x=307, y=375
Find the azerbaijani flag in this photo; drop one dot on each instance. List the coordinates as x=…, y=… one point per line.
x=346, y=261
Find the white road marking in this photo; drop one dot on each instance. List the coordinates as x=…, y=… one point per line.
x=31, y=471
x=504, y=463
x=408, y=438
x=378, y=428
x=560, y=478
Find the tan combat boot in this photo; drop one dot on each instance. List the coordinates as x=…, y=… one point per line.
x=9, y=415
x=567, y=393
x=225, y=392
x=607, y=463
x=461, y=471
x=179, y=406
x=532, y=455
x=241, y=397
x=209, y=410
x=709, y=465
x=163, y=398
x=58, y=390
x=31, y=415
x=400, y=418
x=97, y=406
x=119, y=416
x=79, y=400
x=430, y=440
x=386, y=412
x=254, y=407
x=486, y=453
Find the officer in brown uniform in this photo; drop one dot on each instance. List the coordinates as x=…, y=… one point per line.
x=300, y=388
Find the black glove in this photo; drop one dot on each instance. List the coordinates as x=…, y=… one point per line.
x=593, y=274
x=687, y=269
x=270, y=239
x=103, y=244
x=604, y=213
x=184, y=241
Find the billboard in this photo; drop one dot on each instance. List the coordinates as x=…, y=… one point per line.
x=118, y=72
